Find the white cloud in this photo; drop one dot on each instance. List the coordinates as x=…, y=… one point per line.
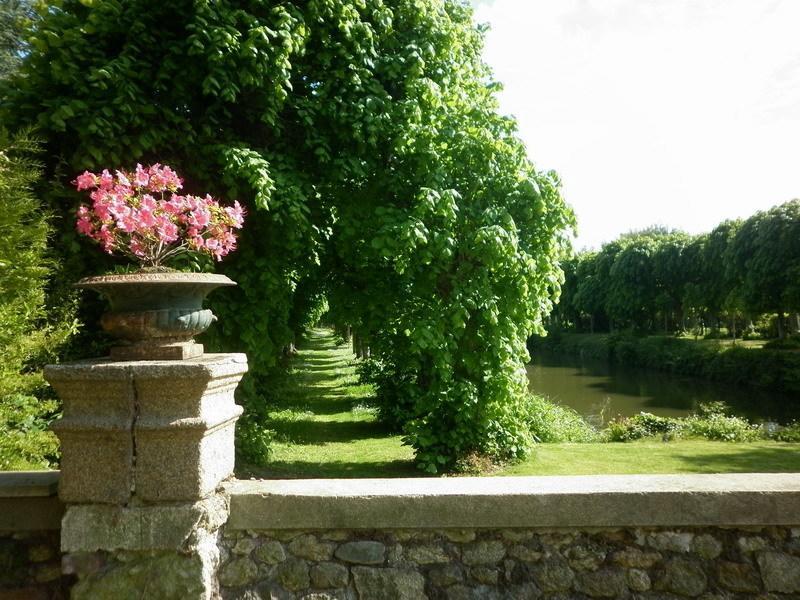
x=678, y=112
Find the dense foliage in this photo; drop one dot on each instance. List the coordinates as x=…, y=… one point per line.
x=364, y=139
x=27, y=336
x=659, y=280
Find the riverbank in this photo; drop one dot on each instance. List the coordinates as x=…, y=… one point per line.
x=741, y=365
x=326, y=428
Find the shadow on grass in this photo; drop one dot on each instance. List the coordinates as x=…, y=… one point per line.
x=333, y=469
x=320, y=432
x=746, y=460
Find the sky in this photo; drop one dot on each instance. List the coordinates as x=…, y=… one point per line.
x=680, y=113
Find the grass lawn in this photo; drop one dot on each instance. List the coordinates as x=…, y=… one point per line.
x=325, y=428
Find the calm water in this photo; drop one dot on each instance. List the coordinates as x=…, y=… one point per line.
x=601, y=391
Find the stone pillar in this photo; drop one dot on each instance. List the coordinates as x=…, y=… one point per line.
x=145, y=445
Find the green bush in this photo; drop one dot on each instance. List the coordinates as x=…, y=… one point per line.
x=641, y=426
x=25, y=442
x=29, y=337
x=790, y=433
x=711, y=422
x=722, y=428
x=552, y=422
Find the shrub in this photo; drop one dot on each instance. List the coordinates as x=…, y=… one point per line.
x=552, y=422
x=722, y=428
x=641, y=426
x=25, y=442
x=29, y=337
x=790, y=433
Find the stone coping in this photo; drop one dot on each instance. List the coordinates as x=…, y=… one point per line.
x=29, y=502
x=493, y=502
x=16, y=484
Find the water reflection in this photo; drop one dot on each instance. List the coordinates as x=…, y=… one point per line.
x=601, y=391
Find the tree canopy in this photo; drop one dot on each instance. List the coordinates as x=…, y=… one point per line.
x=365, y=139
x=658, y=276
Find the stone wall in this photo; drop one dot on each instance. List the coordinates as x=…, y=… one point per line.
x=460, y=564
x=638, y=537
x=30, y=566
x=664, y=536
x=30, y=555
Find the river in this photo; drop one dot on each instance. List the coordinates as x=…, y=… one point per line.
x=601, y=392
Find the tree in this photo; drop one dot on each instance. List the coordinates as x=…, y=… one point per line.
x=670, y=276
x=632, y=291
x=764, y=255
x=15, y=18
x=566, y=312
x=364, y=139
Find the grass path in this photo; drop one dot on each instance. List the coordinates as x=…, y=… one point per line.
x=325, y=428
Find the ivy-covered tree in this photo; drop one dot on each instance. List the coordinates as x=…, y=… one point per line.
x=365, y=140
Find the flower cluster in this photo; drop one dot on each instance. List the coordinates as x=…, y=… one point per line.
x=140, y=214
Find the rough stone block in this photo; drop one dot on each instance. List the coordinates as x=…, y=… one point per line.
x=198, y=388
x=184, y=461
x=781, y=572
x=94, y=391
x=96, y=464
x=167, y=576
x=175, y=527
x=154, y=430
x=391, y=584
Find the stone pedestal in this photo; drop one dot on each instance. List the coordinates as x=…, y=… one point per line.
x=144, y=447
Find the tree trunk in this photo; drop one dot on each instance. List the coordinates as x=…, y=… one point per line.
x=591, y=323
x=781, y=330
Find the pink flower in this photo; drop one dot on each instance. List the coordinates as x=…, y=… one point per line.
x=125, y=217
x=101, y=209
x=84, y=226
x=148, y=203
x=236, y=214
x=138, y=248
x=146, y=218
x=119, y=208
x=85, y=181
x=141, y=178
x=106, y=238
x=167, y=230
x=200, y=217
x=106, y=180
x=128, y=223
x=122, y=178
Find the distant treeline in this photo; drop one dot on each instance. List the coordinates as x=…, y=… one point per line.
x=668, y=281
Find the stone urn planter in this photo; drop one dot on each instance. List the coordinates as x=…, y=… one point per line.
x=156, y=315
